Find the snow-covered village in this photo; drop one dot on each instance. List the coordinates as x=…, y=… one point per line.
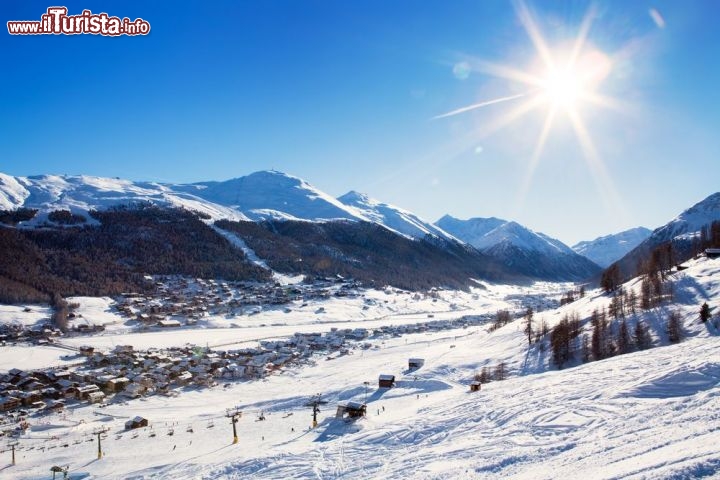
x=205, y=290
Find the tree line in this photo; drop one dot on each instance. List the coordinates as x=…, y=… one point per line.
x=114, y=256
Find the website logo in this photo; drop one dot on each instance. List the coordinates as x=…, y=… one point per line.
x=57, y=22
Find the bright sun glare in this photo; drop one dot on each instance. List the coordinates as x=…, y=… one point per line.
x=576, y=81
x=562, y=87
x=565, y=80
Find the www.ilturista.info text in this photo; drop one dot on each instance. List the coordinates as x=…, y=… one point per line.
x=57, y=22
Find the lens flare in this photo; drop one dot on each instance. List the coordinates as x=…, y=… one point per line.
x=563, y=79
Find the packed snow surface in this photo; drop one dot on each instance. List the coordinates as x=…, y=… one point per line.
x=647, y=414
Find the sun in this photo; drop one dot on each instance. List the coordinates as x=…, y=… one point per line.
x=564, y=78
x=562, y=88
x=577, y=80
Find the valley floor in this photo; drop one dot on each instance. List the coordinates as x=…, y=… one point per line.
x=649, y=414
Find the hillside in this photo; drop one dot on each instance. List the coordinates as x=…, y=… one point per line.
x=114, y=254
x=683, y=232
x=367, y=252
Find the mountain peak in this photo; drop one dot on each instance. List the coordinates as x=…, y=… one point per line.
x=356, y=197
x=535, y=254
x=606, y=249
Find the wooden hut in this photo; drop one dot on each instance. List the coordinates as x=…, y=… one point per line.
x=415, y=363
x=137, y=422
x=352, y=409
x=386, y=381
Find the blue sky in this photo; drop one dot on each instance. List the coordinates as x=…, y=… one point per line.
x=343, y=94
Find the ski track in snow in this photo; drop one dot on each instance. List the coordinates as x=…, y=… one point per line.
x=646, y=415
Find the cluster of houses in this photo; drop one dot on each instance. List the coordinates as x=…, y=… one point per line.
x=130, y=373
x=41, y=333
x=432, y=325
x=191, y=299
x=40, y=389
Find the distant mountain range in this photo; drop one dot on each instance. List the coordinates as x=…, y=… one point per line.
x=521, y=249
x=605, y=250
x=507, y=250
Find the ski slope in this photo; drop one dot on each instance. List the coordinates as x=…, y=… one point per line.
x=649, y=414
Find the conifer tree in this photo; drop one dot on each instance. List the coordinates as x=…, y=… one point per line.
x=705, y=312
x=674, y=327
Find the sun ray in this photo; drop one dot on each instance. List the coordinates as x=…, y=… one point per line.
x=602, y=179
x=506, y=72
x=579, y=43
x=479, y=105
x=533, y=32
x=518, y=112
x=535, y=159
x=604, y=101
x=450, y=151
x=568, y=79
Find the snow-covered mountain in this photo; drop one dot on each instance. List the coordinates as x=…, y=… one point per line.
x=470, y=231
x=689, y=222
x=680, y=231
x=609, y=248
x=303, y=223
x=264, y=195
x=531, y=253
x=81, y=193
x=258, y=196
x=392, y=217
x=273, y=195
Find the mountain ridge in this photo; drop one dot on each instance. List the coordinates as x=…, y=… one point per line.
x=606, y=249
x=682, y=231
x=531, y=253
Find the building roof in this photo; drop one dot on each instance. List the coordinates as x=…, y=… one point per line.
x=387, y=377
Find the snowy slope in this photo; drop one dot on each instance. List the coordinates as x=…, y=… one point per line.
x=647, y=414
x=273, y=195
x=605, y=250
x=472, y=230
x=258, y=196
x=681, y=231
x=82, y=193
x=531, y=253
x=394, y=218
x=12, y=192
x=689, y=221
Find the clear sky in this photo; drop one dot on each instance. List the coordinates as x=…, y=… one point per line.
x=343, y=94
